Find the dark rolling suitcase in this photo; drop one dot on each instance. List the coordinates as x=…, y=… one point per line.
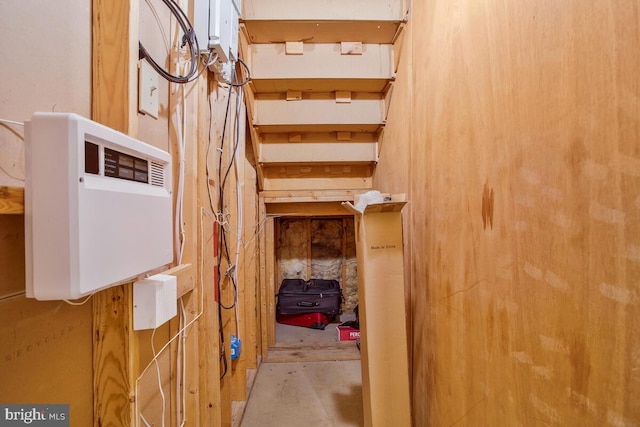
x=308, y=320
x=298, y=296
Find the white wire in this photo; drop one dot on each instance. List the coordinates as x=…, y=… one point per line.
x=79, y=303
x=179, y=378
x=159, y=21
x=155, y=358
x=144, y=420
x=178, y=240
x=239, y=185
x=184, y=368
x=192, y=321
x=11, y=122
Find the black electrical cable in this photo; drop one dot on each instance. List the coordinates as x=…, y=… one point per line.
x=225, y=245
x=247, y=80
x=222, y=242
x=189, y=38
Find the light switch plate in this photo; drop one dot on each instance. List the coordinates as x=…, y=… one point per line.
x=147, y=89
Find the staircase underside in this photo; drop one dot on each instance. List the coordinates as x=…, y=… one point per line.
x=321, y=80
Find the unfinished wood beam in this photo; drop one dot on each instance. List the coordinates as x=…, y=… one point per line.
x=271, y=285
x=264, y=330
x=343, y=136
x=249, y=93
x=275, y=197
x=294, y=95
x=185, y=276
x=293, y=137
x=307, y=209
x=114, y=93
x=114, y=64
x=250, y=229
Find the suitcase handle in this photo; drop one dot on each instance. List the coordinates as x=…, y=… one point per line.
x=308, y=304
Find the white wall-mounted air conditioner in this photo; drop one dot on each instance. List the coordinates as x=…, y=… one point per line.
x=98, y=207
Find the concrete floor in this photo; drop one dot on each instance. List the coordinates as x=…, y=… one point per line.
x=294, y=335
x=306, y=392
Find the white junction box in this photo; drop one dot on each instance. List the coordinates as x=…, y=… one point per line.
x=216, y=24
x=98, y=207
x=154, y=301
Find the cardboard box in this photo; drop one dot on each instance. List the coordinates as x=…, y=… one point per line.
x=383, y=340
x=347, y=333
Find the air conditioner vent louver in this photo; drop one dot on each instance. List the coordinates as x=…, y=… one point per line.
x=156, y=176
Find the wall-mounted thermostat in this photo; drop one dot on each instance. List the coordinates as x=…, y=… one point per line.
x=98, y=207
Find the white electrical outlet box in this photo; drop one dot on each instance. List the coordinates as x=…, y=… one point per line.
x=98, y=207
x=216, y=24
x=154, y=301
x=210, y=26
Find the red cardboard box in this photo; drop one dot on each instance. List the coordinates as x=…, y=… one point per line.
x=347, y=333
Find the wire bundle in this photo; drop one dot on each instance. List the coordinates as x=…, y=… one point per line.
x=189, y=38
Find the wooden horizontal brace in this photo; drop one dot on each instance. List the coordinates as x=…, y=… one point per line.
x=308, y=196
x=281, y=30
x=185, y=275
x=308, y=209
x=272, y=138
x=330, y=152
x=274, y=183
x=294, y=95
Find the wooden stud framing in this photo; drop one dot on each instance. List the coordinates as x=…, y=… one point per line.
x=271, y=286
x=252, y=226
x=113, y=104
x=307, y=209
x=239, y=366
x=264, y=330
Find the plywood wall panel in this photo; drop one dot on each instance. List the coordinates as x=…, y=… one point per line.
x=46, y=355
x=524, y=231
x=46, y=346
